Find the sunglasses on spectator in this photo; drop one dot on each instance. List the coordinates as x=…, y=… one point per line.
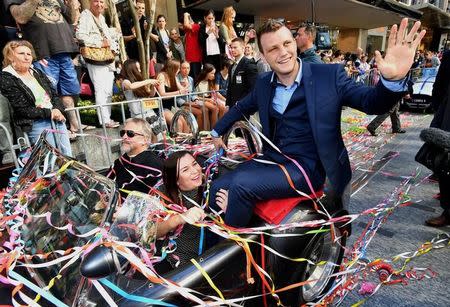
x=130, y=133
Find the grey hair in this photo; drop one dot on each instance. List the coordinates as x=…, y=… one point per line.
x=145, y=126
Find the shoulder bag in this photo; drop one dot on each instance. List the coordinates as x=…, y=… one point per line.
x=98, y=55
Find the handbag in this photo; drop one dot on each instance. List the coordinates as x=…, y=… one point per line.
x=85, y=88
x=98, y=55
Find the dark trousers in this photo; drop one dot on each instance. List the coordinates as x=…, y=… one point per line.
x=444, y=190
x=252, y=182
x=196, y=68
x=214, y=60
x=395, y=119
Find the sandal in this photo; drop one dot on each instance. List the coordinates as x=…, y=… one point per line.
x=87, y=127
x=112, y=124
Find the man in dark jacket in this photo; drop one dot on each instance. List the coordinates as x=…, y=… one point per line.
x=138, y=169
x=305, y=37
x=242, y=74
x=441, y=120
x=300, y=106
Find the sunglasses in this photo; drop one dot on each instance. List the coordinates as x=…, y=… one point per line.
x=130, y=133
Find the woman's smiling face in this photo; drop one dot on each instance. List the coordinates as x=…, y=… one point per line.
x=189, y=173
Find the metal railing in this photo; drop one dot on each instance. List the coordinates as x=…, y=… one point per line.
x=22, y=143
x=144, y=104
x=369, y=78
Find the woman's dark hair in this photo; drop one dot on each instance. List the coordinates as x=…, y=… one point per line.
x=225, y=62
x=171, y=68
x=208, y=12
x=130, y=72
x=170, y=175
x=337, y=53
x=207, y=68
x=159, y=16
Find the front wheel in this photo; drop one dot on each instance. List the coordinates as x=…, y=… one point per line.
x=321, y=249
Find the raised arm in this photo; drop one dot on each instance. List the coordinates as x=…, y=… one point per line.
x=401, y=50
x=22, y=13
x=187, y=21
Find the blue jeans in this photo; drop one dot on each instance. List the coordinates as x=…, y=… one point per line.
x=61, y=137
x=61, y=72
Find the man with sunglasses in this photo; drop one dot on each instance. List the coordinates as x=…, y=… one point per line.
x=138, y=169
x=300, y=106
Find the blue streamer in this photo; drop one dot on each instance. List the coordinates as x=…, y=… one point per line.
x=202, y=236
x=132, y=297
x=44, y=293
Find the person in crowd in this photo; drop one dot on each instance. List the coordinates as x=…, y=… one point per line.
x=441, y=120
x=190, y=102
x=8, y=28
x=213, y=44
x=176, y=46
x=214, y=103
x=395, y=120
x=364, y=66
x=35, y=103
x=129, y=33
x=183, y=182
x=305, y=37
x=135, y=87
x=194, y=54
x=431, y=60
x=168, y=86
x=350, y=69
x=138, y=168
x=226, y=28
x=221, y=82
x=242, y=75
x=325, y=58
x=358, y=54
x=303, y=124
x=161, y=37
x=47, y=25
x=418, y=60
x=93, y=31
x=248, y=52
x=338, y=57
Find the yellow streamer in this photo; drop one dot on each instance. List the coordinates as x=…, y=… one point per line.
x=208, y=279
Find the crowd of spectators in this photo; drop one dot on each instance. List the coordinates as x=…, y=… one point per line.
x=181, y=63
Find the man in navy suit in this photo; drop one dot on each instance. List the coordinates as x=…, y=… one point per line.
x=242, y=74
x=300, y=106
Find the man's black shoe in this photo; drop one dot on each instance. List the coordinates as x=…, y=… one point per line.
x=371, y=131
x=399, y=131
x=439, y=221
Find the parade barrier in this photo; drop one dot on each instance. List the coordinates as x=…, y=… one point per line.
x=369, y=78
x=147, y=108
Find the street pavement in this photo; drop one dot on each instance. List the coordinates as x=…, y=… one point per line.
x=381, y=164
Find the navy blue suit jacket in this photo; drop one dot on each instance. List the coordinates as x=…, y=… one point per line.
x=327, y=89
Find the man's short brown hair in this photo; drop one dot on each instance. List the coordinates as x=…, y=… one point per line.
x=310, y=29
x=238, y=40
x=271, y=25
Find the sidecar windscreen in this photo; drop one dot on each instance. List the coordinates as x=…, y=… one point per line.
x=58, y=191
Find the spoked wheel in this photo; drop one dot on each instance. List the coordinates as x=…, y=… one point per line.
x=252, y=139
x=321, y=249
x=191, y=122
